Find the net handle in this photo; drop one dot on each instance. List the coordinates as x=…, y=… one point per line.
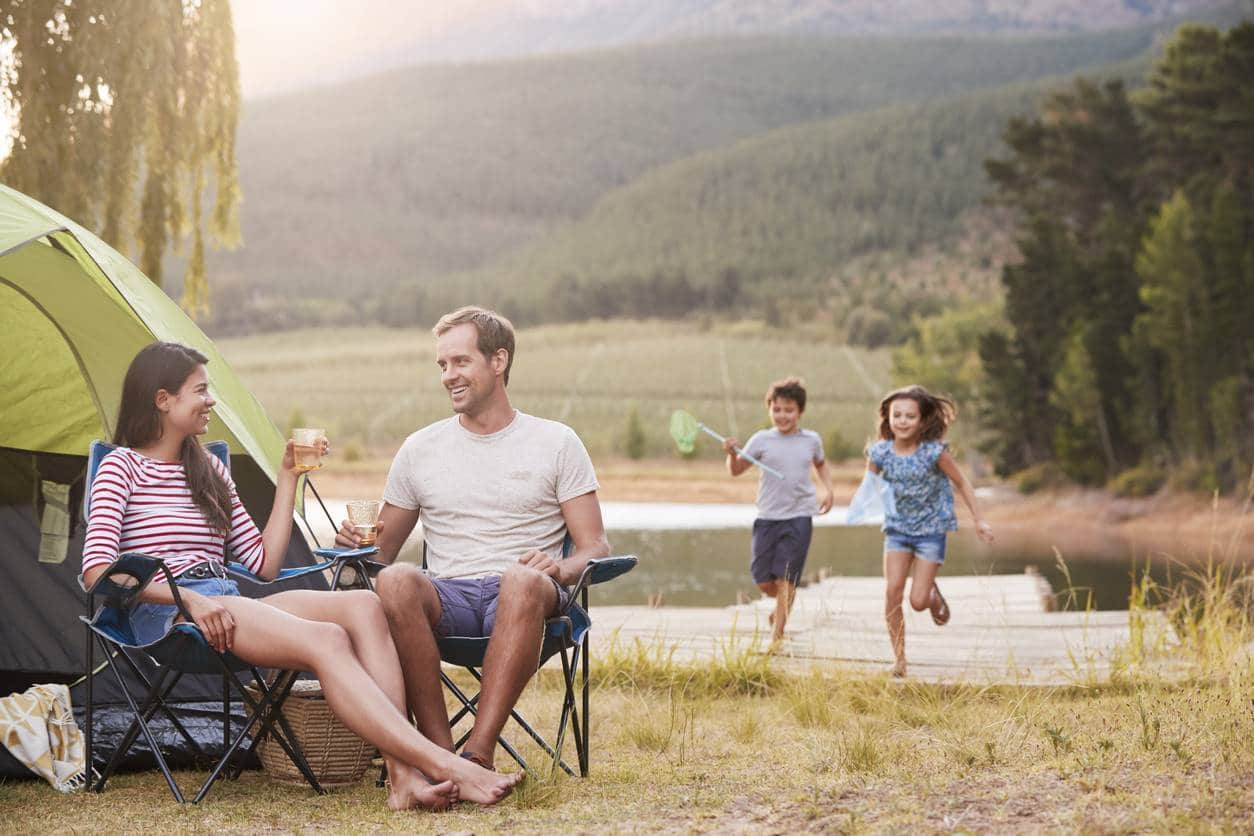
x=740, y=452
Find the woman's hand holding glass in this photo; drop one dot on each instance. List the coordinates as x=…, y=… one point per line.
x=304, y=452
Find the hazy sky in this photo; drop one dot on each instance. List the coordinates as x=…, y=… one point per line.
x=281, y=44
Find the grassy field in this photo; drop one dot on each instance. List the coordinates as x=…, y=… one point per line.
x=737, y=746
x=370, y=387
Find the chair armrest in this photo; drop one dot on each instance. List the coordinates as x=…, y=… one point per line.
x=141, y=568
x=346, y=554
x=600, y=570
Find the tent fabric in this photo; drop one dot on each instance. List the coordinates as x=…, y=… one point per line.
x=73, y=312
x=56, y=276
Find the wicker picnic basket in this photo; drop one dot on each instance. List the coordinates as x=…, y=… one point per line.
x=335, y=754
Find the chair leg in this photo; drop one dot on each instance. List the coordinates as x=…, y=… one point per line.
x=91, y=705
x=142, y=727
x=226, y=712
x=158, y=690
x=569, y=713
x=270, y=703
x=161, y=704
x=582, y=743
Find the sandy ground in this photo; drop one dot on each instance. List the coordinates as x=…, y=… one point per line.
x=1186, y=526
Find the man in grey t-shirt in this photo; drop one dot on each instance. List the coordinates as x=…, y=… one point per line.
x=497, y=491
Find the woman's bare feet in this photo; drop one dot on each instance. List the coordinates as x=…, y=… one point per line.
x=899, y=669
x=408, y=788
x=477, y=784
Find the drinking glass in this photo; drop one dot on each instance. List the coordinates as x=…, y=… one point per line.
x=307, y=447
x=363, y=515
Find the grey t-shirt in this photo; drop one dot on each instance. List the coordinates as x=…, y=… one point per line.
x=486, y=500
x=791, y=455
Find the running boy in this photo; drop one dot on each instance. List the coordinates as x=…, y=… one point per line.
x=781, y=533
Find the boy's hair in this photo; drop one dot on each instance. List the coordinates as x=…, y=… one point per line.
x=936, y=412
x=495, y=331
x=792, y=388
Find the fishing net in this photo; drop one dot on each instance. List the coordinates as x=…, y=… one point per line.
x=685, y=429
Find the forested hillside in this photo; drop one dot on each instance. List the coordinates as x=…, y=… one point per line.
x=771, y=218
x=427, y=172
x=1128, y=351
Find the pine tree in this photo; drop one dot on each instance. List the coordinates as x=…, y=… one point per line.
x=1177, y=321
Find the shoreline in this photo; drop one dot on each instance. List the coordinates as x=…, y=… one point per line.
x=1186, y=527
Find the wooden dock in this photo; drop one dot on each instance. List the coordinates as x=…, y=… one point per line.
x=1003, y=629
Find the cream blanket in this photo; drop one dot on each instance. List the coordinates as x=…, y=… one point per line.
x=37, y=726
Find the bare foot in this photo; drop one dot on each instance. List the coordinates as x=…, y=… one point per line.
x=410, y=789
x=899, y=669
x=938, y=607
x=478, y=784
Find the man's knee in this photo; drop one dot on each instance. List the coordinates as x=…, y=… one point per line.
x=524, y=586
x=404, y=588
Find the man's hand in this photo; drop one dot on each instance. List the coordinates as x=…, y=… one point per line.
x=729, y=445
x=213, y=619
x=346, y=538
x=541, y=562
x=825, y=504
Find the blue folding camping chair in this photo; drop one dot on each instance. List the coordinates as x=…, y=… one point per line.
x=183, y=650
x=566, y=636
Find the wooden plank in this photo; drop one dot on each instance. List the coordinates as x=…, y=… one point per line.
x=1001, y=631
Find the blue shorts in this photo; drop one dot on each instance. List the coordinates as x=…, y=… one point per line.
x=929, y=547
x=780, y=548
x=468, y=605
x=150, y=622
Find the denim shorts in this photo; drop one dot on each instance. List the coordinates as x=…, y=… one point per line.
x=930, y=547
x=150, y=622
x=468, y=605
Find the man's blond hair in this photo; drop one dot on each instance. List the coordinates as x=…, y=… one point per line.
x=495, y=331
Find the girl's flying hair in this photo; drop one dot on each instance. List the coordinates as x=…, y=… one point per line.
x=936, y=412
x=167, y=366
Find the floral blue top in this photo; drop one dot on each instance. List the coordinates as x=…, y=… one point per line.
x=921, y=491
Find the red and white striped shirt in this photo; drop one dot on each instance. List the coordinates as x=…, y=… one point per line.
x=143, y=505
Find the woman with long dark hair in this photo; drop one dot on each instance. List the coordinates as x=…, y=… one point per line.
x=161, y=494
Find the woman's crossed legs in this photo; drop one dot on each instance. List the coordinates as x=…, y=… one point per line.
x=342, y=637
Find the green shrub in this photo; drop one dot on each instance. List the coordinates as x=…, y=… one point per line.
x=1142, y=480
x=838, y=449
x=352, y=452
x=1041, y=477
x=635, y=442
x=1194, y=477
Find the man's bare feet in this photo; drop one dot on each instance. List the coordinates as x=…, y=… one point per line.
x=477, y=784
x=475, y=757
x=899, y=669
x=408, y=788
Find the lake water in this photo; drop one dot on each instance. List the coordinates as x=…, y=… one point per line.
x=697, y=555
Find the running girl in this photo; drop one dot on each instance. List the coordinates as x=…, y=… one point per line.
x=913, y=457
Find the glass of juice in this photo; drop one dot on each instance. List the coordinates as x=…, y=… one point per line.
x=307, y=446
x=363, y=515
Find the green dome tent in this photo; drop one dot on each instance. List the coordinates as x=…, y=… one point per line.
x=73, y=312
